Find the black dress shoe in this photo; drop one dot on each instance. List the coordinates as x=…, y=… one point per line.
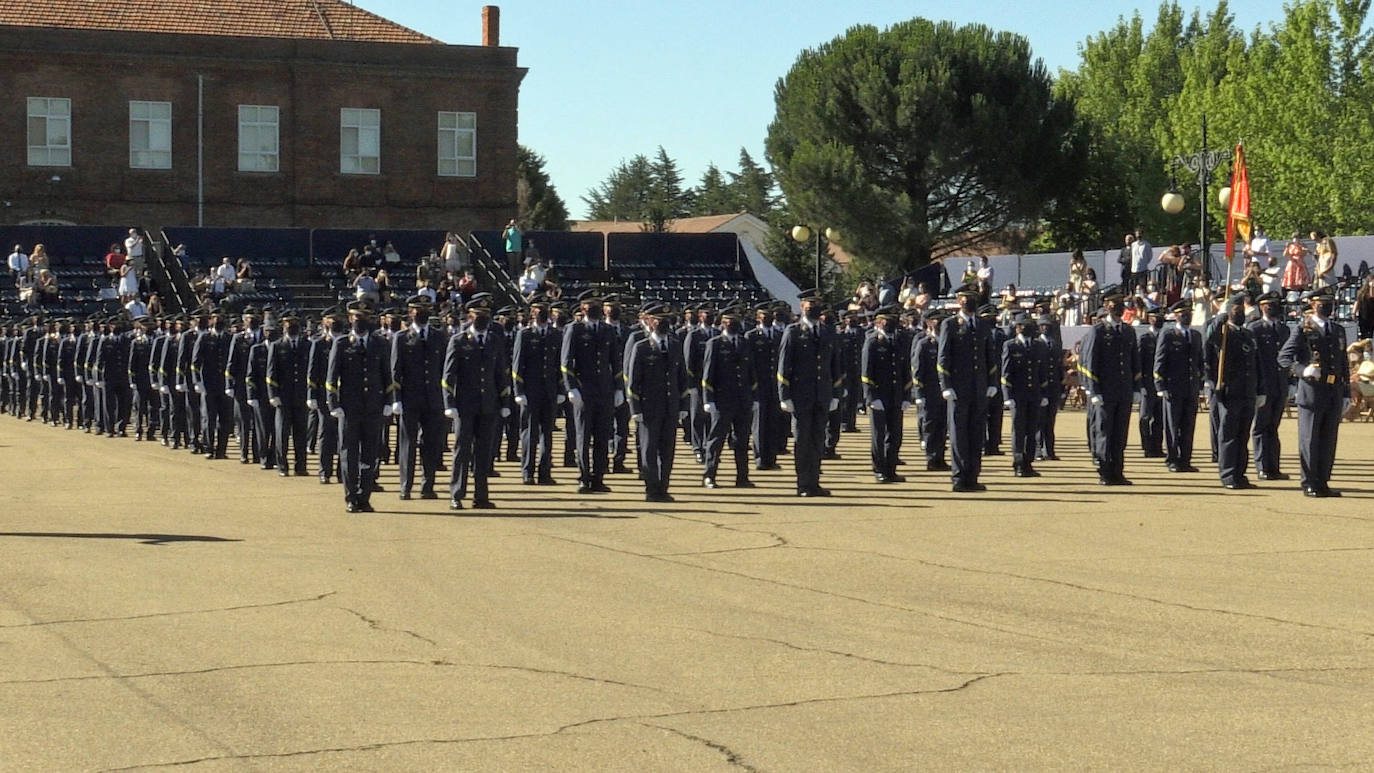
x=284, y=473
x=484, y=504
x=377, y=487
x=744, y=483
x=995, y=452
x=1273, y=476
x=405, y=496
x=1327, y=493
x=601, y=488
x=832, y=456
x=428, y=494
x=584, y=488
x=1238, y=486
x=937, y=466
x=547, y=480
x=659, y=497
x=527, y=480
x=963, y=488
x=454, y=504
x=882, y=479
x=895, y=478
x=493, y=474
x=820, y=492
x=701, y=458
x=801, y=492
x=301, y=472
x=352, y=507
x=365, y=507
x=708, y=482
x=620, y=469
x=1310, y=492
x=324, y=478
x=1187, y=468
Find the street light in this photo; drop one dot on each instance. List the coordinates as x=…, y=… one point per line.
x=801, y=234
x=1201, y=164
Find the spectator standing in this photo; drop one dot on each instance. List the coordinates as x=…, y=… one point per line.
x=467, y=286
x=46, y=293
x=1089, y=296
x=514, y=239
x=455, y=255
x=1067, y=302
x=1296, y=276
x=244, y=270
x=38, y=260
x=114, y=262
x=985, y=272
x=128, y=282
x=18, y=263
x=154, y=304
x=431, y=269
x=133, y=248
x=1364, y=307
x=532, y=256
x=1326, y=259
x=907, y=293
x=383, y=286
x=226, y=272
x=1258, y=248
x=1202, y=300
x=1142, y=255
x=1123, y=258
x=179, y=252
x=370, y=257
x=1077, y=266
x=365, y=288
x=352, y=265
x=529, y=285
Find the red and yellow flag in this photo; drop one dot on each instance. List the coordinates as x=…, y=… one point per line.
x=1238, y=219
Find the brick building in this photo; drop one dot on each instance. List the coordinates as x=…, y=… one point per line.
x=309, y=113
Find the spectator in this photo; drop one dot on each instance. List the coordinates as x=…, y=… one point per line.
x=245, y=269
x=985, y=273
x=467, y=286
x=133, y=248
x=46, y=290
x=114, y=261
x=921, y=301
x=1258, y=248
x=1364, y=307
x=154, y=304
x=532, y=255
x=430, y=269
x=38, y=260
x=455, y=254
x=514, y=248
x=390, y=256
x=134, y=306
x=907, y=292
x=383, y=286
x=226, y=272
x=128, y=281
x=1326, y=259
x=1089, y=295
x=1202, y=301
x=1296, y=276
x=179, y=252
x=1270, y=273
x=1066, y=301
x=423, y=288
x=1252, y=281
x=1153, y=298
x=370, y=257
x=352, y=265
x=18, y=264
x=970, y=274
x=1142, y=255
x=552, y=292
x=1123, y=258
x=529, y=285
x=1077, y=266
x=541, y=272
x=365, y=288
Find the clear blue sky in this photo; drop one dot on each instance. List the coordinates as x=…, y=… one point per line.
x=610, y=79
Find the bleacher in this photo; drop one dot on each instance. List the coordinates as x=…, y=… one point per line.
x=76, y=256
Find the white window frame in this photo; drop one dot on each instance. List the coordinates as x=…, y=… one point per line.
x=255, y=122
x=452, y=162
x=150, y=122
x=56, y=146
x=365, y=126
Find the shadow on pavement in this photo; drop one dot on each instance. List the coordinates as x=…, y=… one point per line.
x=146, y=539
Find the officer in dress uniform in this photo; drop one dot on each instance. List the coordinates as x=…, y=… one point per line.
x=730, y=390
x=251, y=444
x=1209, y=329
x=1177, y=380
x=885, y=376
x=1025, y=361
x=992, y=445
x=173, y=401
x=1050, y=336
x=926, y=393
x=966, y=364
x=71, y=389
x=140, y=356
x=476, y=384
x=1151, y=406
x=809, y=380
x=417, y=367
x=1233, y=376
x=333, y=328
x=768, y=419
x=693, y=350
x=208, y=358
x=590, y=363
x=158, y=376
x=656, y=380
x=536, y=383
x=852, y=335
x=1107, y=361
x=288, y=366
x=613, y=310
x=114, y=368
x=358, y=387
x=262, y=412
x=1270, y=333
x=1316, y=350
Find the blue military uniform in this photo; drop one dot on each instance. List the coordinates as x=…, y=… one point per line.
x=476, y=384
x=1107, y=361
x=1233, y=377
x=729, y=390
x=1054, y=386
x=885, y=376
x=992, y=444
x=966, y=364
x=264, y=415
x=809, y=378
x=591, y=367
x=1270, y=333
x=656, y=382
x=1177, y=372
x=1024, y=382
x=1316, y=350
x=417, y=367
x=288, y=388
x=693, y=351
x=358, y=388
x=926, y=394
x=769, y=429
x=1151, y=422
x=537, y=387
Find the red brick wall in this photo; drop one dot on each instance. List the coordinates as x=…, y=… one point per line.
x=308, y=80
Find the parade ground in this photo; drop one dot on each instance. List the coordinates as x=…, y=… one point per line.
x=160, y=611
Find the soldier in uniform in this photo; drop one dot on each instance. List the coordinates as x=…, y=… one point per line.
x=693, y=350
x=769, y=420
x=288, y=367
x=851, y=337
x=1107, y=361
x=536, y=382
x=885, y=375
x=1054, y=386
x=1316, y=349
x=656, y=383
x=263, y=413
x=1177, y=380
x=140, y=377
x=71, y=388
x=966, y=364
x=809, y=380
x=992, y=446
x=1233, y=376
x=358, y=387
x=1025, y=362
x=114, y=370
x=1151, y=406
x=251, y=444
x=1270, y=333
x=590, y=363
x=476, y=384
x=730, y=391
x=926, y=393
x=620, y=430
x=334, y=327
x=417, y=367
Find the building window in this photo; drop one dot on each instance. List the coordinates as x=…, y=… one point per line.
x=258, y=138
x=360, y=141
x=150, y=135
x=457, y=144
x=50, y=131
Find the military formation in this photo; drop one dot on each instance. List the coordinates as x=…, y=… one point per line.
x=355, y=388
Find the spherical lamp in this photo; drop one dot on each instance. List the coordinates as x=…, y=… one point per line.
x=1172, y=202
x=832, y=235
x=801, y=234
x=1224, y=196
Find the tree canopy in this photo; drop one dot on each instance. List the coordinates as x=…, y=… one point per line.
x=540, y=207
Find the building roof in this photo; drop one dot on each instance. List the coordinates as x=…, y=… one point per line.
x=310, y=19
x=683, y=225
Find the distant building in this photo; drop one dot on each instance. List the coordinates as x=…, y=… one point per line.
x=308, y=113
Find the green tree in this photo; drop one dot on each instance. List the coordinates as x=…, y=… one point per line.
x=920, y=139
x=755, y=191
x=713, y=195
x=624, y=194
x=540, y=207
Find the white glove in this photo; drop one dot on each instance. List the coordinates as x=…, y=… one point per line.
x=451, y=413
x=100, y=385
x=920, y=402
x=1009, y=403
x=1311, y=371
x=337, y=413
x=228, y=393
x=877, y=405
x=1162, y=395
x=575, y=397
x=619, y=398
x=200, y=390
x=505, y=412
x=80, y=380
x=711, y=408
x=787, y=406
x=905, y=405
x=560, y=399
x=253, y=403
x=165, y=391
x=639, y=417
x=834, y=403
x=522, y=401
x=396, y=408
x=386, y=409
x=992, y=391
x=181, y=388
x=754, y=405
x=1260, y=400
x=681, y=415
x=1096, y=400
x=949, y=395
x=275, y=402
x=1044, y=401
x=24, y=366
x=312, y=404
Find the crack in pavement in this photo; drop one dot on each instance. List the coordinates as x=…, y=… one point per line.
x=377, y=625
x=287, y=602
x=732, y=757
x=839, y=653
x=638, y=718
